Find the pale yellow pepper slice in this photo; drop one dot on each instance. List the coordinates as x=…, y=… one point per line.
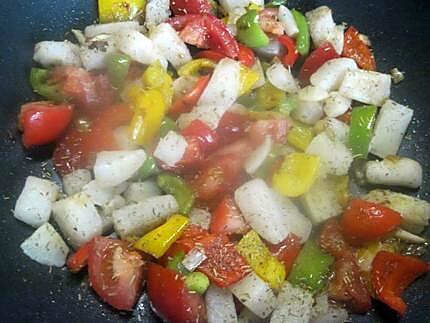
x=156, y=77
x=193, y=67
x=300, y=136
x=120, y=10
x=248, y=78
x=159, y=240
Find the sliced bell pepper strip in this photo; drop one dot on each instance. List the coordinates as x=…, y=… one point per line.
x=269, y=97
x=155, y=77
x=159, y=240
x=120, y=10
x=311, y=268
x=392, y=273
x=361, y=129
x=249, y=31
x=117, y=69
x=195, y=66
x=213, y=55
x=39, y=82
x=246, y=55
x=303, y=41
x=248, y=78
x=356, y=49
x=167, y=125
x=315, y=60
x=149, y=168
x=292, y=54
x=179, y=189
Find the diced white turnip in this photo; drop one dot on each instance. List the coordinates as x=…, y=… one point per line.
x=220, y=305
x=366, y=86
x=287, y=20
x=51, y=53
x=312, y=93
x=231, y=5
x=171, y=148
x=200, y=217
x=337, y=38
x=294, y=304
x=46, y=246
x=331, y=74
x=94, y=57
x=170, y=44
x=321, y=201
x=106, y=211
x=321, y=25
x=99, y=195
x=258, y=156
x=115, y=167
x=334, y=128
x=34, y=204
x=75, y=181
x=308, y=112
x=415, y=212
x=336, y=105
x=324, y=311
x=139, y=47
x=110, y=28
x=135, y=220
x=395, y=171
x=282, y=78
x=156, y=12
x=123, y=139
x=140, y=191
x=336, y=158
x=209, y=114
x=391, y=124
x=255, y=294
x=78, y=219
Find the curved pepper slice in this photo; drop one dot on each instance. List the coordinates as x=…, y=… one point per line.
x=303, y=41
x=249, y=31
x=361, y=129
x=117, y=69
x=195, y=66
x=120, y=10
x=179, y=189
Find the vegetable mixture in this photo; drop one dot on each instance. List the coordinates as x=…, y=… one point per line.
x=207, y=150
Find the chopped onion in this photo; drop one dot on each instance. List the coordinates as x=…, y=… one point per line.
x=34, y=204
x=255, y=294
x=258, y=156
x=99, y=195
x=106, y=212
x=171, y=148
x=366, y=86
x=331, y=74
x=76, y=180
x=115, y=167
x=200, y=217
x=220, y=305
x=282, y=78
x=312, y=93
x=334, y=128
x=337, y=38
x=183, y=84
x=49, y=53
x=321, y=24
x=325, y=312
x=135, y=220
x=194, y=258
x=209, y=114
x=46, y=246
x=287, y=20
x=140, y=191
x=156, y=12
x=111, y=28
x=391, y=124
x=308, y=112
x=336, y=105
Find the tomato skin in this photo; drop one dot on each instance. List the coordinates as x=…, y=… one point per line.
x=364, y=221
x=170, y=298
x=292, y=54
x=193, y=153
x=315, y=60
x=356, y=49
x=115, y=272
x=246, y=55
x=79, y=259
x=275, y=128
x=43, y=122
x=232, y=126
x=392, y=274
x=286, y=251
x=227, y=219
x=208, y=139
x=184, y=7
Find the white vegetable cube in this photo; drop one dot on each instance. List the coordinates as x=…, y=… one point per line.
x=321, y=25
x=312, y=93
x=336, y=105
x=366, y=86
x=200, y=217
x=171, y=148
x=110, y=28
x=49, y=53
x=94, y=58
x=258, y=156
x=46, y=246
x=115, y=167
x=334, y=128
x=98, y=194
x=78, y=219
x=156, y=12
x=308, y=112
x=140, y=191
x=220, y=305
x=391, y=124
x=282, y=78
x=287, y=20
x=34, y=204
x=331, y=74
x=75, y=181
x=255, y=294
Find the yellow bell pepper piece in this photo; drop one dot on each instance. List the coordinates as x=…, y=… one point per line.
x=193, y=67
x=248, y=78
x=159, y=240
x=297, y=174
x=261, y=260
x=269, y=97
x=155, y=77
x=120, y=10
x=131, y=93
x=300, y=136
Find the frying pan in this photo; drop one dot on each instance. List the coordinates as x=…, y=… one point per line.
x=34, y=293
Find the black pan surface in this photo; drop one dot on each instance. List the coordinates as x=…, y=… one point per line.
x=34, y=293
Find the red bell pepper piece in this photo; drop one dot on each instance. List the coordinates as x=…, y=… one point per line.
x=292, y=54
x=364, y=221
x=356, y=49
x=286, y=251
x=208, y=138
x=210, y=54
x=227, y=219
x=315, y=60
x=392, y=274
x=246, y=55
x=184, y=7
x=43, y=122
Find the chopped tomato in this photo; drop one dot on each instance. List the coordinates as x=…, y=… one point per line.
x=193, y=153
x=364, y=221
x=86, y=90
x=246, y=55
x=207, y=137
x=79, y=259
x=315, y=60
x=43, y=122
x=191, y=235
x=332, y=240
x=185, y=7
x=210, y=54
x=186, y=102
x=355, y=48
x=286, y=251
x=115, y=272
x=392, y=274
x=275, y=128
x=232, y=126
x=227, y=219
x=292, y=54
x=269, y=22
x=77, y=149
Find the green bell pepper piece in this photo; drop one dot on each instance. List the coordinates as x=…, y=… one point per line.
x=38, y=80
x=175, y=263
x=176, y=186
x=303, y=41
x=149, y=168
x=166, y=125
x=361, y=129
x=117, y=69
x=197, y=282
x=311, y=269
x=249, y=31
x=269, y=97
